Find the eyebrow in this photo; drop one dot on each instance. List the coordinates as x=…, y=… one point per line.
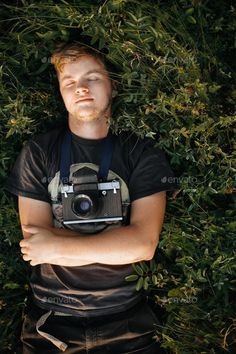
x=93, y=71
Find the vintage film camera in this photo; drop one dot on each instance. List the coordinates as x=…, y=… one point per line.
x=88, y=201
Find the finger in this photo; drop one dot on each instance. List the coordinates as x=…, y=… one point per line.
x=26, y=257
x=24, y=250
x=23, y=243
x=34, y=263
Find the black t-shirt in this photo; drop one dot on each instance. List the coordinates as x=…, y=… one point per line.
x=141, y=169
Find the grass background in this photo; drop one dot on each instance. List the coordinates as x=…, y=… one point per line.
x=175, y=65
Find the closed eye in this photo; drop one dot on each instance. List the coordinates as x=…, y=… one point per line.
x=68, y=84
x=93, y=78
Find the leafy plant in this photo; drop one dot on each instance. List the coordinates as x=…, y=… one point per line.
x=175, y=70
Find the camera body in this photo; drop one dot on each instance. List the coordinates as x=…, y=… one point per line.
x=90, y=201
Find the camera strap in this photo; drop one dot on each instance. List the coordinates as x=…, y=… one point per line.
x=106, y=157
x=65, y=158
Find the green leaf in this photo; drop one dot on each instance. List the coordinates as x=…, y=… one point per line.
x=144, y=266
x=139, y=284
x=189, y=11
x=154, y=279
x=137, y=269
x=101, y=43
x=11, y=285
x=131, y=277
x=146, y=283
x=191, y=20
x=153, y=265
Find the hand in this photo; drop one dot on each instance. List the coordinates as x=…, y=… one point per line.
x=40, y=247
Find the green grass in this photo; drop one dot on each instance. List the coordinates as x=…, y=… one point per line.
x=175, y=70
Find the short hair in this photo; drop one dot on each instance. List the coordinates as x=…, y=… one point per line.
x=70, y=52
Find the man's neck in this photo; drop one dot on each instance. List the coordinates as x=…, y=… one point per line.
x=89, y=130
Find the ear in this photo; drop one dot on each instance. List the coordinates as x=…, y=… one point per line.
x=114, y=85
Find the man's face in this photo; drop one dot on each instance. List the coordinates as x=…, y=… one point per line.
x=86, y=89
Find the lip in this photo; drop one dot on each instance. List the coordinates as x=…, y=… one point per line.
x=84, y=99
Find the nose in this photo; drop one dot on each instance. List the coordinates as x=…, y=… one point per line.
x=81, y=88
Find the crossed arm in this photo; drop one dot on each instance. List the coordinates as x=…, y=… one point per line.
x=43, y=243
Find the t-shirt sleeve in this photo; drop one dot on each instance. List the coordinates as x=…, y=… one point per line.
x=28, y=177
x=151, y=174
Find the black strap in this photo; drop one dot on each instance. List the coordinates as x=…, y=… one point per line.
x=65, y=157
x=106, y=157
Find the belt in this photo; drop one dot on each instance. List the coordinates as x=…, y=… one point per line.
x=41, y=321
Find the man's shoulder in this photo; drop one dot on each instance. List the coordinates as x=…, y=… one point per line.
x=51, y=134
x=135, y=143
x=49, y=139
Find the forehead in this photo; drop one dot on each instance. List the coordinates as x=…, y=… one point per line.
x=81, y=66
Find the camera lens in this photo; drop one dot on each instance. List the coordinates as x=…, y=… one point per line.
x=83, y=206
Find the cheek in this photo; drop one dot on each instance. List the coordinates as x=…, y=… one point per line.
x=67, y=96
x=104, y=93
x=103, y=98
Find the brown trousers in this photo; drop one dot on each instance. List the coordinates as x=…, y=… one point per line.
x=131, y=331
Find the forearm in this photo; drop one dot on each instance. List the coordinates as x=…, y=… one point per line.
x=66, y=240
x=63, y=232
x=117, y=246
x=69, y=262
x=113, y=246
